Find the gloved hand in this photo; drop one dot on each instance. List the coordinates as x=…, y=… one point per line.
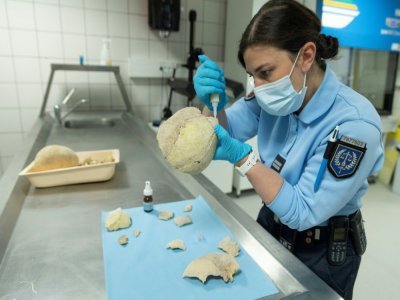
x=228, y=148
x=209, y=79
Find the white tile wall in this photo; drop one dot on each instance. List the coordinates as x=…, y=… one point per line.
x=96, y=4
x=23, y=42
x=5, y=160
x=47, y=17
x=10, y=122
x=9, y=97
x=117, y=5
x=3, y=15
x=5, y=45
x=118, y=24
x=74, y=46
x=20, y=15
x=96, y=22
x=28, y=116
x=7, y=71
x=48, y=1
x=36, y=33
x=72, y=20
x=138, y=27
x=139, y=7
x=10, y=143
x=27, y=69
x=28, y=94
x=55, y=40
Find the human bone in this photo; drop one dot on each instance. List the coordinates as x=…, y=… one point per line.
x=188, y=208
x=187, y=140
x=176, y=244
x=117, y=219
x=54, y=157
x=214, y=264
x=123, y=240
x=90, y=161
x=183, y=220
x=165, y=215
x=229, y=246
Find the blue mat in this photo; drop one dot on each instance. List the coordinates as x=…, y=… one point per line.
x=145, y=269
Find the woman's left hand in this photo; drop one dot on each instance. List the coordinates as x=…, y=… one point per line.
x=228, y=148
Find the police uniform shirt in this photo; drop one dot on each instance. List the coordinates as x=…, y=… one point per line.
x=301, y=141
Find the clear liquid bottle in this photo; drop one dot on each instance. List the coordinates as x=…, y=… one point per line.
x=147, y=197
x=105, y=54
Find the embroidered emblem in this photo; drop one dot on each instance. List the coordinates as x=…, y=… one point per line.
x=346, y=157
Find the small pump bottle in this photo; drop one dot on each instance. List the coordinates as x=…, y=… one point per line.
x=147, y=197
x=105, y=54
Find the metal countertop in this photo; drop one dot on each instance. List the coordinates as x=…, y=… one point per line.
x=54, y=251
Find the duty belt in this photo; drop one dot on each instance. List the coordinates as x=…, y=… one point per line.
x=291, y=238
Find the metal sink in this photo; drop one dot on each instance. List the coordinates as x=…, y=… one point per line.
x=89, y=123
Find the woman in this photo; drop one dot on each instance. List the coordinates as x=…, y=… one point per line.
x=318, y=140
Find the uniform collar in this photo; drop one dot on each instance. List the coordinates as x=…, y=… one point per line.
x=323, y=98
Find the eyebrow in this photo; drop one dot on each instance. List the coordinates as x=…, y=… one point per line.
x=260, y=67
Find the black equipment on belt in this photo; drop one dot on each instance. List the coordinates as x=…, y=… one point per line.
x=358, y=233
x=337, y=249
x=334, y=236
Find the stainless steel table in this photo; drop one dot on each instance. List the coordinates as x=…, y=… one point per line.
x=50, y=241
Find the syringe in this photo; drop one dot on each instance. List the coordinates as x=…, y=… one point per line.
x=214, y=101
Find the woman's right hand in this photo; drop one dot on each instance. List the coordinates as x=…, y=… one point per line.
x=209, y=79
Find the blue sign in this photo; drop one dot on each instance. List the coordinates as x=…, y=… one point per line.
x=367, y=24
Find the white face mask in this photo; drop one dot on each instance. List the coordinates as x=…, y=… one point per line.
x=279, y=98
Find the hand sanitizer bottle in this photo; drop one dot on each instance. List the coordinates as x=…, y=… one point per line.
x=105, y=55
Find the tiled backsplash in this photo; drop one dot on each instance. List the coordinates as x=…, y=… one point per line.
x=34, y=34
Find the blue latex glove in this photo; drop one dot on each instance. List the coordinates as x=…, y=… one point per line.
x=209, y=79
x=228, y=148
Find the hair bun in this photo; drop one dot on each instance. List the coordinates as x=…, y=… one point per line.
x=329, y=46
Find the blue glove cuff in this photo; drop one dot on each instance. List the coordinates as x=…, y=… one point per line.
x=244, y=151
x=228, y=148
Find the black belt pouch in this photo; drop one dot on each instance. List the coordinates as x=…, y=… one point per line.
x=358, y=233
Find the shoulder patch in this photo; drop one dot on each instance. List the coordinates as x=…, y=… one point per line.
x=346, y=157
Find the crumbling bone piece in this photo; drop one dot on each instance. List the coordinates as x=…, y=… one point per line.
x=90, y=161
x=188, y=208
x=187, y=140
x=117, y=219
x=166, y=215
x=183, y=220
x=54, y=157
x=123, y=240
x=136, y=232
x=214, y=264
x=176, y=244
x=229, y=246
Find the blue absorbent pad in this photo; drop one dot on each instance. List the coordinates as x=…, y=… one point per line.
x=145, y=269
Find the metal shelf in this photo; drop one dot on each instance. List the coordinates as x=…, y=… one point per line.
x=86, y=68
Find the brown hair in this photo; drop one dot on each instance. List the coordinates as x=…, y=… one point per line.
x=287, y=25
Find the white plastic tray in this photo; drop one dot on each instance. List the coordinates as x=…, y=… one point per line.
x=80, y=174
